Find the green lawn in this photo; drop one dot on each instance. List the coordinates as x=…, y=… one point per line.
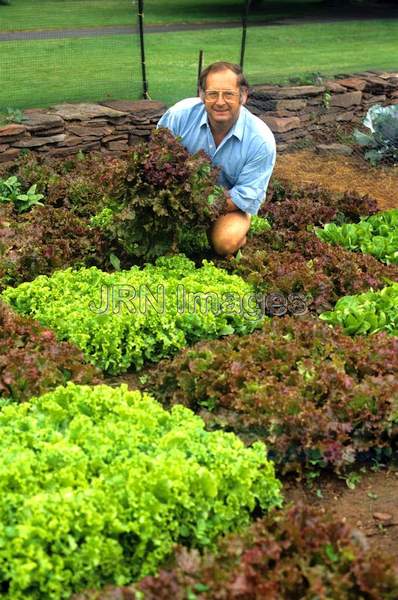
x=39, y=73
x=53, y=14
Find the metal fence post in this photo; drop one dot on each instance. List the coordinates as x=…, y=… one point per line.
x=245, y=15
x=200, y=67
x=141, y=30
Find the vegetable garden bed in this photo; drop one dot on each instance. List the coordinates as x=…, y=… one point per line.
x=122, y=475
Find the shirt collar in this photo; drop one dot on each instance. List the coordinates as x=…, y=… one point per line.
x=236, y=129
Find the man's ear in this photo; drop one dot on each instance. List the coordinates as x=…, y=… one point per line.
x=243, y=95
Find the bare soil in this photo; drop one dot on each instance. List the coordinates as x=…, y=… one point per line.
x=371, y=508
x=340, y=174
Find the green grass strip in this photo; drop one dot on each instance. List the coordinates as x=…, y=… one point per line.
x=56, y=14
x=93, y=69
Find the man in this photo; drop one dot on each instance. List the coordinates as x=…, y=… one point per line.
x=237, y=141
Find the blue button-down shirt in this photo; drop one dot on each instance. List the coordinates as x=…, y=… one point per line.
x=246, y=156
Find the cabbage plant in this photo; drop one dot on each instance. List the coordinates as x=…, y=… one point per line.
x=382, y=141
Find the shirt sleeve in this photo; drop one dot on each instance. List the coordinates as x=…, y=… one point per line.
x=249, y=191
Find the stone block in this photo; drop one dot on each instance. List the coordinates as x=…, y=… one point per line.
x=302, y=91
x=38, y=119
x=353, y=83
x=70, y=140
x=66, y=151
x=333, y=86
x=315, y=101
x=54, y=152
x=12, y=133
x=82, y=112
x=138, y=108
x=4, y=147
x=264, y=88
x=48, y=132
x=282, y=124
x=12, y=130
x=289, y=105
x=346, y=100
x=94, y=123
x=345, y=116
x=379, y=99
x=137, y=120
x=141, y=132
x=83, y=132
x=11, y=140
x=9, y=155
x=126, y=128
x=34, y=142
x=278, y=113
x=119, y=120
x=333, y=149
x=114, y=138
x=328, y=117
x=290, y=135
x=377, y=84
x=116, y=146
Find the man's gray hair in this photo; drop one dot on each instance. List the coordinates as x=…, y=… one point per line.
x=223, y=66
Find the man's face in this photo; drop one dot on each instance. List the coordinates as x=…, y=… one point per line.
x=223, y=109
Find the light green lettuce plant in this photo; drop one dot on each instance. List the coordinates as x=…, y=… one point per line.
x=120, y=320
x=367, y=313
x=376, y=235
x=97, y=484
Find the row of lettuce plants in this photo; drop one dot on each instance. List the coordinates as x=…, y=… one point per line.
x=368, y=313
x=97, y=484
x=284, y=261
x=376, y=235
x=318, y=398
x=119, y=320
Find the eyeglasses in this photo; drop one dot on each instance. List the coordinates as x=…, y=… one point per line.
x=215, y=94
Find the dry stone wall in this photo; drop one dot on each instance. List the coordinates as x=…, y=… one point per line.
x=292, y=112
x=66, y=129
x=297, y=112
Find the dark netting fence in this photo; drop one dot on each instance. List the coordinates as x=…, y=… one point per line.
x=57, y=51
x=68, y=51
